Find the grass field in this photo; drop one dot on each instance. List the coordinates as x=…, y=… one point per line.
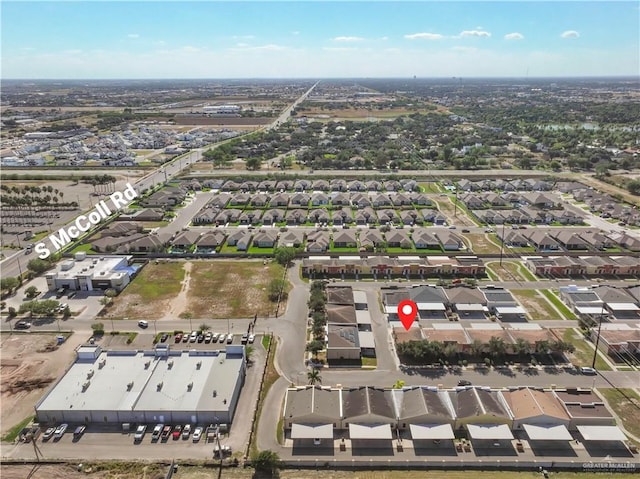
x=231, y=289
x=480, y=244
x=559, y=304
x=626, y=404
x=150, y=293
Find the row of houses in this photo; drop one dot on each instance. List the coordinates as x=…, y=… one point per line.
x=617, y=339
x=490, y=199
x=561, y=239
x=603, y=301
x=528, y=184
x=335, y=184
x=348, y=331
x=471, y=335
x=602, y=203
x=211, y=214
x=528, y=215
x=385, y=266
x=128, y=237
x=459, y=302
x=569, y=266
x=427, y=413
x=320, y=199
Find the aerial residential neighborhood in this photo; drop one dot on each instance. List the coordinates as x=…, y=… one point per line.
x=397, y=240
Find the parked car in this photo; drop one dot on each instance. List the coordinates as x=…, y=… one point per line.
x=222, y=338
x=197, y=434
x=60, y=430
x=23, y=325
x=166, y=432
x=177, y=431
x=244, y=339
x=186, y=430
x=193, y=337
x=185, y=338
x=178, y=337
x=140, y=432
x=143, y=324
x=163, y=338
x=466, y=230
x=588, y=371
x=229, y=338
x=79, y=431
x=48, y=433
x=214, y=337
x=252, y=338
x=207, y=337
x=464, y=382
x=200, y=338
x=157, y=431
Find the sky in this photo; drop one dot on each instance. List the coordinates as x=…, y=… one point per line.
x=317, y=39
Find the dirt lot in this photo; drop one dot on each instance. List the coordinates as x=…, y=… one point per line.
x=231, y=289
x=30, y=363
x=447, y=208
x=481, y=244
x=537, y=307
x=203, y=289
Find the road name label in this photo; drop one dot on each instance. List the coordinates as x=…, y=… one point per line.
x=84, y=223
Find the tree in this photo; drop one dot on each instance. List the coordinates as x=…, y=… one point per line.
x=38, y=265
x=9, y=284
x=253, y=163
x=315, y=347
x=399, y=384
x=634, y=187
x=31, y=292
x=284, y=255
x=497, y=347
x=266, y=461
x=11, y=311
x=204, y=327
x=275, y=290
x=98, y=328
x=314, y=377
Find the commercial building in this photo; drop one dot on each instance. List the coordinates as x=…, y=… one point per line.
x=89, y=273
x=155, y=386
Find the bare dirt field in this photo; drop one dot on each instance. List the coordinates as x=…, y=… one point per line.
x=231, y=289
x=480, y=244
x=30, y=363
x=455, y=216
x=202, y=289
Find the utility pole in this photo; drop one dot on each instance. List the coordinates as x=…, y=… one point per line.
x=502, y=244
x=595, y=352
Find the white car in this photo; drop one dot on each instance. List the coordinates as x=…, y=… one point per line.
x=588, y=371
x=197, y=434
x=186, y=430
x=59, y=432
x=143, y=324
x=140, y=432
x=252, y=338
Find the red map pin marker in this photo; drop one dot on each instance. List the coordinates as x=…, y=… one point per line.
x=407, y=311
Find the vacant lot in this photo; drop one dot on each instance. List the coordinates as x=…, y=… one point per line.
x=538, y=308
x=455, y=216
x=626, y=404
x=480, y=244
x=149, y=296
x=30, y=363
x=231, y=289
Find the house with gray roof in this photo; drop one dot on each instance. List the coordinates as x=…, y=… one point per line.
x=300, y=200
x=318, y=241
x=319, y=199
x=342, y=341
x=274, y=215
x=265, y=238
x=296, y=216
x=291, y=238
x=345, y=239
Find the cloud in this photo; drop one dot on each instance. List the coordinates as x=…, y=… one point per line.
x=268, y=47
x=514, y=36
x=133, y=35
x=347, y=39
x=570, y=34
x=424, y=36
x=190, y=49
x=475, y=33
x=243, y=37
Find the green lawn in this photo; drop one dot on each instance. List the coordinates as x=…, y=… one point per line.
x=83, y=248
x=258, y=250
x=401, y=250
x=12, y=434
x=430, y=187
x=228, y=249
x=566, y=312
x=146, y=284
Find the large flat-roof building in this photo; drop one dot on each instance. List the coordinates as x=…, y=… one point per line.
x=160, y=385
x=89, y=273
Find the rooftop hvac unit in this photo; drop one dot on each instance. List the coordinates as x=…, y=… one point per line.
x=147, y=364
x=102, y=362
x=90, y=374
x=159, y=386
x=198, y=364
x=215, y=393
x=170, y=364
x=190, y=386
x=130, y=386
x=85, y=386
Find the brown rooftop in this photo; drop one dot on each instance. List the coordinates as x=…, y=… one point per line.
x=403, y=336
x=484, y=335
x=444, y=336
x=526, y=403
